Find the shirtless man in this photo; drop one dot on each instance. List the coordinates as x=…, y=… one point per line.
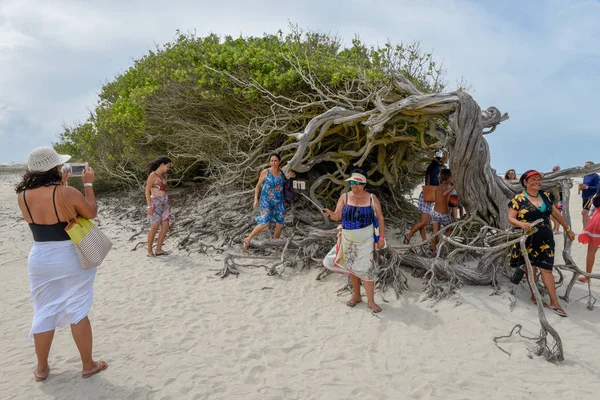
x=441, y=214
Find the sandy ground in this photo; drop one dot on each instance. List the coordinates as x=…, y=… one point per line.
x=170, y=329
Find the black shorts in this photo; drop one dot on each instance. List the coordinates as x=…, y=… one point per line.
x=587, y=204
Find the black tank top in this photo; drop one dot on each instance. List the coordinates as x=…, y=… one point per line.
x=47, y=233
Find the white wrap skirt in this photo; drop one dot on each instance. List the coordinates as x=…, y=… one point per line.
x=62, y=292
x=353, y=254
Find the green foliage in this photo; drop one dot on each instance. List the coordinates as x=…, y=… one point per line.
x=204, y=100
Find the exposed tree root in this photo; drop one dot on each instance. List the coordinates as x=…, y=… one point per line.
x=391, y=132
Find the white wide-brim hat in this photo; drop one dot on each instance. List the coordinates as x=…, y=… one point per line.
x=358, y=178
x=42, y=159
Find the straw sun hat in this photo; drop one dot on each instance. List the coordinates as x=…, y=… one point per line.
x=357, y=177
x=42, y=159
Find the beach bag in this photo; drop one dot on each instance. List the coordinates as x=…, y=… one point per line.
x=91, y=244
x=288, y=190
x=375, y=224
x=517, y=275
x=453, y=200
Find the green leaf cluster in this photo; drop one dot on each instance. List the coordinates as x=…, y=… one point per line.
x=208, y=102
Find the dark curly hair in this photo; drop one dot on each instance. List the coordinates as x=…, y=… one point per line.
x=33, y=180
x=153, y=165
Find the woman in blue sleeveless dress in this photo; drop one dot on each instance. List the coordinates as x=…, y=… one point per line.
x=270, y=189
x=353, y=253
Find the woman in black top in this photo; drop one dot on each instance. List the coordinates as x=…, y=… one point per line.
x=524, y=208
x=62, y=291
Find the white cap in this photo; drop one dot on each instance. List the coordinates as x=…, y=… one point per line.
x=42, y=159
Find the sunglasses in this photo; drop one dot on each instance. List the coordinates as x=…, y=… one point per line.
x=355, y=183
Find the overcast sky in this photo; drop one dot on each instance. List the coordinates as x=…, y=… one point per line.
x=538, y=60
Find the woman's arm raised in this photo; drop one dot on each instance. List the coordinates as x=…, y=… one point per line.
x=261, y=179
x=337, y=214
x=84, y=205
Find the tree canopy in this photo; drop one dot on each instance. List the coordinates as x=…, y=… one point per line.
x=219, y=106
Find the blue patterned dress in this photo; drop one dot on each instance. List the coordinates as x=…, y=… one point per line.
x=271, y=199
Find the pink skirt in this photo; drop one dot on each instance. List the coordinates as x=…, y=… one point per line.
x=591, y=232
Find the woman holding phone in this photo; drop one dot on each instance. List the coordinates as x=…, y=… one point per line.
x=62, y=291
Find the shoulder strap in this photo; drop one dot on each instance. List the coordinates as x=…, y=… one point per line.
x=26, y=206
x=68, y=212
x=54, y=202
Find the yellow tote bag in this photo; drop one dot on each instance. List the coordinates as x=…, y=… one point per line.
x=78, y=230
x=91, y=244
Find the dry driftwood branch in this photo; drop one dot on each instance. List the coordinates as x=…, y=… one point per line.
x=555, y=352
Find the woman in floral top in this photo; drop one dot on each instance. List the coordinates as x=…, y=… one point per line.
x=524, y=208
x=270, y=189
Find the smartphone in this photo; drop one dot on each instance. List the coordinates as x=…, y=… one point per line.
x=77, y=168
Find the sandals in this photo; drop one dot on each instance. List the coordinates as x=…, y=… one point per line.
x=352, y=302
x=164, y=253
x=406, y=241
x=245, y=245
x=535, y=302
x=101, y=367
x=557, y=310
x=40, y=379
x=583, y=279
x=376, y=309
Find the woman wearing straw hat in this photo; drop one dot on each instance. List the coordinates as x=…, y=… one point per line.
x=523, y=209
x=353, y=253
x=62, y=291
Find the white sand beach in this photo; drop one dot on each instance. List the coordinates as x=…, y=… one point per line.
x=170, y=329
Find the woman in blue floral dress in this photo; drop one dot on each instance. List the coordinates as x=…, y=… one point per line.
x=270, y=189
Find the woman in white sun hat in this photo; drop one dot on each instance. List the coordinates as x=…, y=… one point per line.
x=353, y=253
x=62, y=292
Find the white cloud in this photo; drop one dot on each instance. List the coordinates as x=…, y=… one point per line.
x=538, y=61
x=72, y=25
x=11, y=39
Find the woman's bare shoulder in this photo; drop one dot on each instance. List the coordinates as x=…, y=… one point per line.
x=70, y=194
